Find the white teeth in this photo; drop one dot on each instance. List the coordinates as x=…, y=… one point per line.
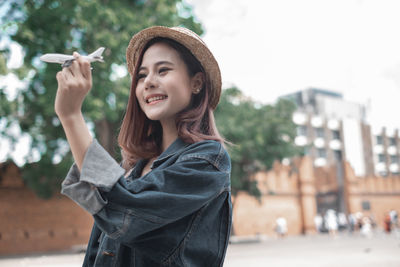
x=151, y=99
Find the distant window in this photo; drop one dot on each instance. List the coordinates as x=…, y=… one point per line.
x=366, y=205
x=338, y=154
x=394, y=159
x=321, y=153
x=379, y=140
x=301, y=130
x=383, y=173
x=319, y=132
x=335, y=135
x=381, y=158
x=392, y=141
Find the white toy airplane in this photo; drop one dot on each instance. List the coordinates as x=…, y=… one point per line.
x=66, y=60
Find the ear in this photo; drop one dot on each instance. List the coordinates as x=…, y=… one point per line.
x=197, y=82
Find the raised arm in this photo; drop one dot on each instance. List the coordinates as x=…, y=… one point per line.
x=74, y=82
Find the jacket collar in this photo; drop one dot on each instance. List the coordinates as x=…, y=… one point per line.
x=175, y=147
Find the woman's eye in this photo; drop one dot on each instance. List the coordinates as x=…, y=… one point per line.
x=141, y=76
x=163, y=70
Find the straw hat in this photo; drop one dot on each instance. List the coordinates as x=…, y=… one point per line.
x=188, y=39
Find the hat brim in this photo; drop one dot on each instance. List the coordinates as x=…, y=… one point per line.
x=188, y=39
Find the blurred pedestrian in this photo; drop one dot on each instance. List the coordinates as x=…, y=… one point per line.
x=387, y=223
x=331, y=222
x=318, y=223
x=281, y=227
x=352, y=222
x=342, y=221
x=359, y=217
x=373, y=221
x=394, y=219
x=366, y=229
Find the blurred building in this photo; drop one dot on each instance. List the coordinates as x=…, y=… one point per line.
x=297, y=192
x=332, y=129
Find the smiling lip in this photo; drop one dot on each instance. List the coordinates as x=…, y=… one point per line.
x=155, y=98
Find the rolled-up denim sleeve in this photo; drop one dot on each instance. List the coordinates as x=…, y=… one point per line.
x=99, y=172
x=164, y=195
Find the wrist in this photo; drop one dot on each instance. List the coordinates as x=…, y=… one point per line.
x=71, y=118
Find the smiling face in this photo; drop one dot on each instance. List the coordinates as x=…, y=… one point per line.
x=164, y=87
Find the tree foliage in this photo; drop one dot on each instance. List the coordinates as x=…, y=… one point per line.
x=3, y=64
x=49, y=26
x=260, y=134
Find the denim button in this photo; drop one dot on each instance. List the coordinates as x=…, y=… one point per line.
x=108, y=253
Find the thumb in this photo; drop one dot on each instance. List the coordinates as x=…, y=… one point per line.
x=76, y=54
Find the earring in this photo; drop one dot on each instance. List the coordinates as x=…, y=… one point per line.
x=197, y=90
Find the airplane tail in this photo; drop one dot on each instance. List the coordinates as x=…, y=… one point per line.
x=97, y=54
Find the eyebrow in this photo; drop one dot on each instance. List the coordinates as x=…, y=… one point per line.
x=158, y=63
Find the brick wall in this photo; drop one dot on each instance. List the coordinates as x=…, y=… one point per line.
x=290, y=192
x=381, y=194
x=287, y=191
x=29, y=224
x=252, y=217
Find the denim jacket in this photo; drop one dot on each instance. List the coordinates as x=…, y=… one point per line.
x=178, y=214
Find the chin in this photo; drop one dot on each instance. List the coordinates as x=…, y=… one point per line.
x=154, y=117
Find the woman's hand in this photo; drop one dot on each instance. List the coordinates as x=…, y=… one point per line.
x=74, y=82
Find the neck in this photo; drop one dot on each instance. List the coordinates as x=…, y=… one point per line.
x=170, y=133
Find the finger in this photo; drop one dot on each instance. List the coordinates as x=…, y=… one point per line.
x=83, y=64
x=59, y=76
x=60, y=79
x=67, y=73
x=86, y=69
x=75, y=68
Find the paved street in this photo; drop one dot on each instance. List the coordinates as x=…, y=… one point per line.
x=299, y=251
x=318, y=251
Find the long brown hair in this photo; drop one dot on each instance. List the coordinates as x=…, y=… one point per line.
x=140, y=137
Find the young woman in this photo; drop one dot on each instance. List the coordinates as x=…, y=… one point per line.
x=168, y=203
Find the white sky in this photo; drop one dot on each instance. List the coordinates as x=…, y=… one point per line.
x=268, y=48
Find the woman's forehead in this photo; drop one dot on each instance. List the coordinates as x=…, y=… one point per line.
x=160, y=52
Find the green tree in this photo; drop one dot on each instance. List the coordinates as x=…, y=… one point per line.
x=48, y=26
x=260, y=134
x=3, y=64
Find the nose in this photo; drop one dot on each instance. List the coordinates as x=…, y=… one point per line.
x=150, y=81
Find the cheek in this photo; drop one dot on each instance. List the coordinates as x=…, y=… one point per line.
x=138, y=93
x=139, y=96
x=189, y=95
x=185, y=98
